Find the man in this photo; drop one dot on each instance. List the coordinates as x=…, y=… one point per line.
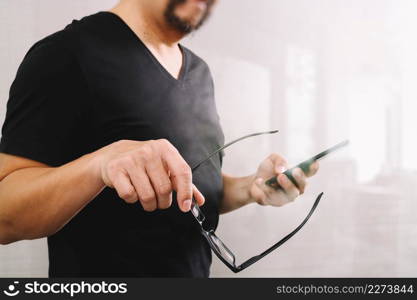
x=103, y=122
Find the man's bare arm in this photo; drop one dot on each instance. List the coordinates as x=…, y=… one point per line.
x=235, y=193
x=37, y=200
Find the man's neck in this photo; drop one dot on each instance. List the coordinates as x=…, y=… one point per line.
x=153, y=31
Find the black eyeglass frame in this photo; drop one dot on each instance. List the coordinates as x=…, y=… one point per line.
x=209, y=234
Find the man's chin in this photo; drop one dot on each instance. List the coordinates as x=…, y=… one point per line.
x=193, y=18
x=193, y=23
x=186, y=24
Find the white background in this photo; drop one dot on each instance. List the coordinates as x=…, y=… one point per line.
x=319, y=71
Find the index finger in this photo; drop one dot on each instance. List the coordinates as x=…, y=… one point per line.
x=181, y=175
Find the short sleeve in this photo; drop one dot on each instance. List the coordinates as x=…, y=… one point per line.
x=46, y=110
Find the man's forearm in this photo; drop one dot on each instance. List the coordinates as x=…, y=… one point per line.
x=36, y=202
x=235, y=192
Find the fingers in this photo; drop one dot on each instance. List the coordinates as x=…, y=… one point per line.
x=314, y=167
x=143, y=187
x=124, y=187
x=279, y=162
x=181, y=177
x=161, y=183
x=290, y=189
x=149, y=172
x=298, y=174
x=198, y=196
x=300, y=178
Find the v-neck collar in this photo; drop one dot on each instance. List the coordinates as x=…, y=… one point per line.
x=184, y=67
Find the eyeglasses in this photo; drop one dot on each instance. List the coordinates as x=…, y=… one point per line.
x=216, y=244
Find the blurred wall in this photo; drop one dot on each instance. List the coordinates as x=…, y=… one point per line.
x=320, y=72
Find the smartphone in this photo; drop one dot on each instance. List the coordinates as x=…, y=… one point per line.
x=305, y=166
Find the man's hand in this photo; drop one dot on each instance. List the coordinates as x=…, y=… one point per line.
x=147, y=171
x=275, y=165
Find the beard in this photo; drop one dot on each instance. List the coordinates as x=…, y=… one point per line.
x=182, y=25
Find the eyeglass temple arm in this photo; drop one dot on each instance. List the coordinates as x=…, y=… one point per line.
x=229, y=144
x=225, y=146
x=254, y=259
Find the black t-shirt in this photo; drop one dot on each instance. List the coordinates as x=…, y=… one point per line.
x=95, y=83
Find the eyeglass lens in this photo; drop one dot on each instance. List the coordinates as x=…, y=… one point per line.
x=222, y=249
x=195, y=210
